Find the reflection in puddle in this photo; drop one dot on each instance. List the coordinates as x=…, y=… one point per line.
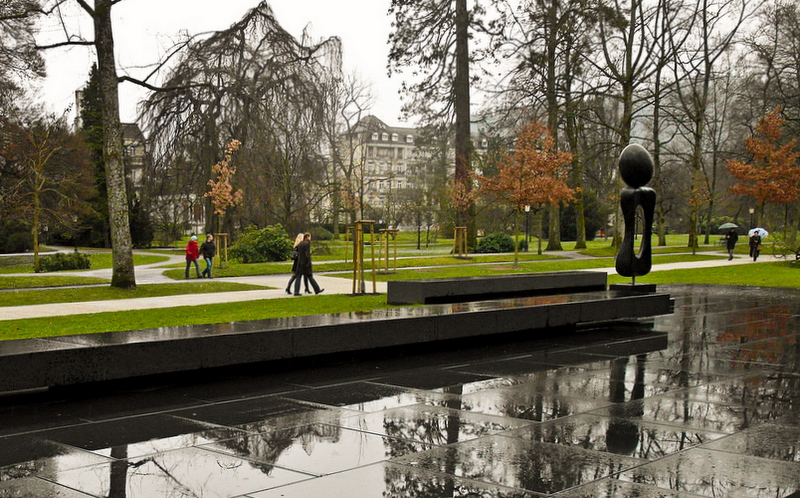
x=712, y=410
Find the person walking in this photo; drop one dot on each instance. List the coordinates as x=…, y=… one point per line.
x=192, y=255
x=295, y=276
x=730, y=241
x=208, y=250
x=755, y=245
x=304, y=265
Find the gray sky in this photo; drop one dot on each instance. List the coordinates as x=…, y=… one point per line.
x=145, y=28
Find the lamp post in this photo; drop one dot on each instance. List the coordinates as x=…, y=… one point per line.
x=752, y=210
x=527, y=237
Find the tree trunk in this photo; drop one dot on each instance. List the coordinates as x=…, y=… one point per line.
x=463, y=143
x=122, y=249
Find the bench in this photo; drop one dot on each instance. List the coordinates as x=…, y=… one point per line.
x=455, y=290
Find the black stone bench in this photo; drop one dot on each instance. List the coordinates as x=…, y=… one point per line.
x=454, y=290
x=61, y=361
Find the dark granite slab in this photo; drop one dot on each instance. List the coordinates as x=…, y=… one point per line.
x=121, y=355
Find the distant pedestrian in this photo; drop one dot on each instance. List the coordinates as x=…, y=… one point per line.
x=208, y=250
x=755, y=245
x=304, y=265
x=730, y=241
x=192, y=255
x=295, y=276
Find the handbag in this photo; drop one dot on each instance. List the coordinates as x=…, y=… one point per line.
x=294, y=254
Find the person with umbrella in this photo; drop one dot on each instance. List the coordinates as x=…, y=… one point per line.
x=755, y=243
x=730, y=242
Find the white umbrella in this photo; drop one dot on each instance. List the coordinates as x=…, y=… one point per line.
x=761, y=232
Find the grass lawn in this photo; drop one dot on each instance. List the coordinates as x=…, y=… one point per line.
x=39, y=281
x=106, y=292
x=501, y=269
x=100, y=261
x=284, y=267
x=187, y=315
x=778, y=274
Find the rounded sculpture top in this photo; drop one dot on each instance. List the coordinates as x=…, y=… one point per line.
x=635, y=166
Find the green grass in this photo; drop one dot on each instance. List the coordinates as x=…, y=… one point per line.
x=100, y=261
x=34, y=282
x=235, y=269
x=545, y=266
x=188, y=315
x=105, y=292
x=780, y=274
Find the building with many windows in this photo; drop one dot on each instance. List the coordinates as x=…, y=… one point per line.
x=388, y=153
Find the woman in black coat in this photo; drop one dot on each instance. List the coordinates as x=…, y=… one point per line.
x=304, y=265
x=297, y=242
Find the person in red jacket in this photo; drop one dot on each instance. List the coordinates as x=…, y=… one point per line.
x=192, y=255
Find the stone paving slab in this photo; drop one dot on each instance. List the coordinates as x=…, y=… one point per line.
x=607, y=412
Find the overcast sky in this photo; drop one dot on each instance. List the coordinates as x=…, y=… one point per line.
x=143, y=29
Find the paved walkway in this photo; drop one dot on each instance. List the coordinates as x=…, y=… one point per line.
x=274, y=286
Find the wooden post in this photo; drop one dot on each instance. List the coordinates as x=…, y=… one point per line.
x=359, y=286
x=347, y=232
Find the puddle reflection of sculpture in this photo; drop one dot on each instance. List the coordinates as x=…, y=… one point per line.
x=636, y=169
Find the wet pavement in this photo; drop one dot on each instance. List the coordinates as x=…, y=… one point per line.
x=700, y=403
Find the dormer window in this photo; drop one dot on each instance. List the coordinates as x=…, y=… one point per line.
x=385, y=137
x=409, y=139
x=395, y=137
x=375, y=136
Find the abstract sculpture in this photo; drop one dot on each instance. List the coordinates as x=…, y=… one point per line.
x=636, y=169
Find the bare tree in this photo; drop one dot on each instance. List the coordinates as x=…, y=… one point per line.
x=716, y=30
x=255, y=83
x=18, y=55
x=50, y=170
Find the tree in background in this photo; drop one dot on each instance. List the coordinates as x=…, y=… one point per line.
x=19, y=58
x=532, y=175
x=51, y=174
x=433, y=37
x=91, y=114
x=773, y=174
x=123, y=275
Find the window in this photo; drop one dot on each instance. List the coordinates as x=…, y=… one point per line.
x=385, y=137
x=395, y=137
x=375, y=136
x=409, y=139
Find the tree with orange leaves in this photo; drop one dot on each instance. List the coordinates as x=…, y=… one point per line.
x=532, y=175
x=222, y=194
x=773, y=175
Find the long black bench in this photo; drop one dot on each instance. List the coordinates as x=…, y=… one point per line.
x=454, y=290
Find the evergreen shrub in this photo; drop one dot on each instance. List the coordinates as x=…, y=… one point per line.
x=261, y=245
x=495, y=242
x=65, y=261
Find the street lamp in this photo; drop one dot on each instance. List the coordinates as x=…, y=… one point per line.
x=527, y=237
x=752, y=210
